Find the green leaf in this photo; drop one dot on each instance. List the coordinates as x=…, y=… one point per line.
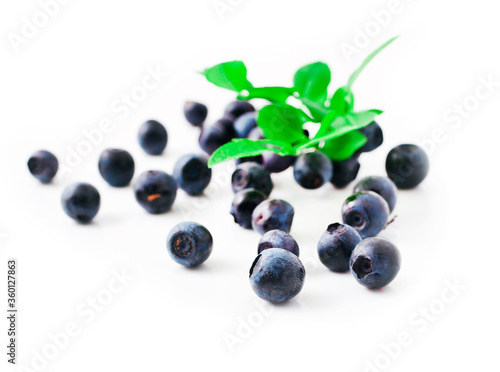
x=368, y=59
x=342, y=101
x=243, y=147
x=272, y=94
x=312, y=81
x=282, y=122
x=229, y=75
x=317, y=110
x=343, y=147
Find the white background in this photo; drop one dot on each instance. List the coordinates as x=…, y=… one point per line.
x=66, y=79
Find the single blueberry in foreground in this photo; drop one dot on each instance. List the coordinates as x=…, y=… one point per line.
x=312, y=170
x=155, y=191
x=214, y=136
x=345, y=171
x=374, y=136
x=153, y=137
x=278, y=239
x=116, y=167
x=275, y=163
x=81, y=201
x=195, y=113
x=380, y=185
x=189, y=243
x=367, y=212
x=192, y=173
x=336, y=245
x=43, y=165
x=375, y=262
x=272, y=214
x=407, y=166
x=251, y=176
x=243, y=205
x=244, y=124
x=277, y=275
x=237, y=108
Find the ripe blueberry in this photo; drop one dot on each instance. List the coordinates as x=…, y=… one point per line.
x=189, y=243
x=81, y=201
x=244, y=124
x=312, y=169
x=272, y=214
x=251, y=176
x=375, y=262
x=374, y=136
x=344, y=172
x=367, y=212
x=195, y=113
x=43, y=165
x=244, y=203
x=237, y=108
x=407, y=166
x=336, y=245
x=275, y=163
x=277, y=275
x=278, y=239
x=216, y=135
x=116, y=167
x=380, y=185
x=255, y=134
x=153, y=137
x=192, y=173
x=155, y=191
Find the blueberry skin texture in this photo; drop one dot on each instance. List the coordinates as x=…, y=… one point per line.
x=216, y=135
x=277, y=275
x=336, y=245
x=374, y=136
x=192, y=173
x=367, y=212
x=375, y=262
x=155, y=191
x=81, y=201
x=255, y=134
x=312, y=170
x=272, y=214
x=237, y=108
x=189, y=243
x=195, y=113
x=278, y=239
x=380, y=185
x=244, y=124
x=244, y=203
x=43, y=165
x=153, y=137
x=344, y=172
x=251, y=176
x=407, y=166
x=116, y=167
x=275, y=163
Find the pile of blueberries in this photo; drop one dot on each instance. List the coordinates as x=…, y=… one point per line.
x=277, y=273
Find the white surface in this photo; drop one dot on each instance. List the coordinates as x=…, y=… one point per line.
x=66, y=79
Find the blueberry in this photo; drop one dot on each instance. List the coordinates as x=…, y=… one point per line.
x=312, y=170
x=336, y=245
x=272, y=214
x=251, y=176
x=192, y=173
x=374, y=136
x=375, y=262
x=237, y=108
x=407, y=166
x=244, y=124
x=277, y=275
x=43, y=165
x=380, y=185
x=278, y=239
x=275, y=163
x=195, y=113
x=153, y=137
x=81, y=202
x=255, y=134
x=249, y=159
x=155, y=191
x=216, y=135
x=116, y=167
x=244, y=203
x=189, y=243
x=344, y=172
x=367, y=212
